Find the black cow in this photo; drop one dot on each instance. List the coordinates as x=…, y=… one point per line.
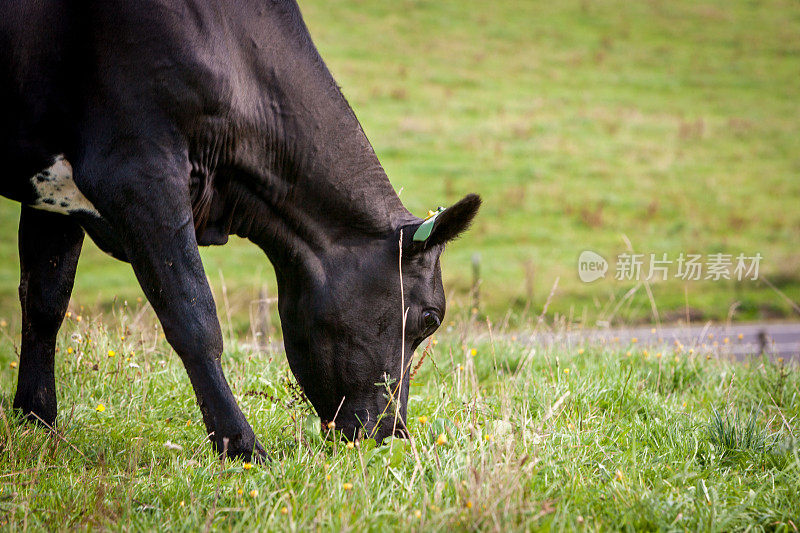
x=156, y=126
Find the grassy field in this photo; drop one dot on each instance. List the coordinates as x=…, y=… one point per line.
x=582, y=123
x=588, y=437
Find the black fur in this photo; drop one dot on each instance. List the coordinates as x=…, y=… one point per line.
x=185, y=122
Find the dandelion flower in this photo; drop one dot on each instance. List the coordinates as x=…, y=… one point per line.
x=347, y=486
x=69, y=314
x=580, y=352
x=70, y=350
x=434, y=342
x=182, y=503
x=634, y=340
x=327, y=477
x=423, y=419
x=331, y=425
x=619, y=475
x=418, y=514
x=112, y=353
x=441, y=440
x=254, y=493
x=247, y=466
x=284, y=510
x=566, y=370
x=488, y=437
x=79, y=318
x=469, y=504
x=350, y=445
x=726, y=340
x=239, y=492
x=628, y=353
x=740, y=336
x=100, y=408
x=691, y=350
x=658, y=354
x=13, y=364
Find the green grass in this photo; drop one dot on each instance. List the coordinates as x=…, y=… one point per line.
x=582, y=123
x=596, y=437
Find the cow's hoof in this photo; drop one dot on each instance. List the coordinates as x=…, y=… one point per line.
x=255, y=454
x=248, y=450
x=37, y=408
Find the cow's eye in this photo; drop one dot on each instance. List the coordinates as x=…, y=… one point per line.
x=430, y=320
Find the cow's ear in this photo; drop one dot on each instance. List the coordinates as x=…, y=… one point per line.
x=446, y=224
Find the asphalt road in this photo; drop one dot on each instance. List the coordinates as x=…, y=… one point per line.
x=776, y=340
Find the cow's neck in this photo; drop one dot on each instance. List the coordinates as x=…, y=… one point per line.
x=319, y=185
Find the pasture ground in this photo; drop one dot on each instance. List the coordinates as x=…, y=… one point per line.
x=582, y=123
x=589, y=437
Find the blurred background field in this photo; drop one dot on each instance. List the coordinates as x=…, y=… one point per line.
x=583, y=124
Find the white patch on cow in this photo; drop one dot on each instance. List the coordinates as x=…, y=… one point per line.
x=56, y=190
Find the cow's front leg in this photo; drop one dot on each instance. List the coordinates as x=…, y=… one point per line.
x=49, y=247
x=149, y=210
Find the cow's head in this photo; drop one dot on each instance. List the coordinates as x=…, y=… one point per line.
x=345, y=336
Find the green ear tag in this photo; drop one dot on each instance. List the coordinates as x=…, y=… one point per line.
x=425, y=229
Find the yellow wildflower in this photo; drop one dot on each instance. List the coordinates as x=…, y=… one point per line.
x=100, y=408
x=70, y=350
x=331, y=425
x=473, y=352
x=423, y=419
x=418, y=514
x=247, y=466
x=284, y=510
x=347, y=486
x=13, y=364
x=254, y=493
x=112, y=353
x=442, y=439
